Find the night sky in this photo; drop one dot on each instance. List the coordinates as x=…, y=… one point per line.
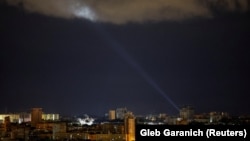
x=87, y=56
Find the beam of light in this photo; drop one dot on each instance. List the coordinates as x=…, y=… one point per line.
x=141, y=71
x=119, y=50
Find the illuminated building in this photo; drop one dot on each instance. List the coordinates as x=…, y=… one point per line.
x=16, y=118
x=129, y=122
x=51, y=117
x=112, y=115
x=26, y=117
x=13, y=117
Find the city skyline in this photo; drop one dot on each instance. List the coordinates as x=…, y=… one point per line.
x=107, y=113
x=152, y=58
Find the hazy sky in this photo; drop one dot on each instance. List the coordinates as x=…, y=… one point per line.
x=90, y=56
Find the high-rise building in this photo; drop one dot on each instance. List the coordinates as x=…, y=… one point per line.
x=111, y=114
x=7, y=123
x=129, y=122
x=36, y=116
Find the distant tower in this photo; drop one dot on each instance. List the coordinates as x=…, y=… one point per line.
x=111, y=114
x=36, y=116
x=7, y=123
x=129, y=122
x=187, y=113
x=120, y=113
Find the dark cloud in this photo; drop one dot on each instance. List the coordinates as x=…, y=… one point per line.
x=120, y=12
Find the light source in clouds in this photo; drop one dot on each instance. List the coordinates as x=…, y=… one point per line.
x=85, y=12
x=123, y=11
